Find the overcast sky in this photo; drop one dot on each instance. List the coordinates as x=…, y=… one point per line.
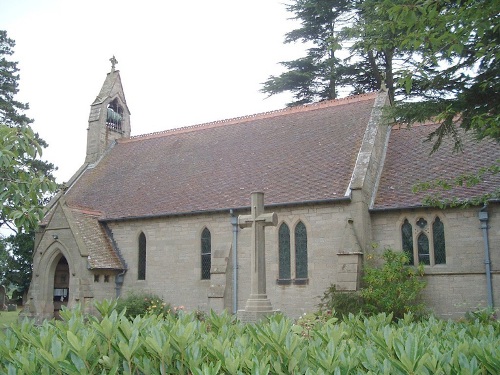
x=181, y=62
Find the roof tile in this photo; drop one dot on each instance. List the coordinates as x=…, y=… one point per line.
x=409, y=161
x=295, y=155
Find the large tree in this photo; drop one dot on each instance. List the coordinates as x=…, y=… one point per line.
x=353, y=49
x=26, y=181
x=315, y=76
x=438, y=58
x=456, y=80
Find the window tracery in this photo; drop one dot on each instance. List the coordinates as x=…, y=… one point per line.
x=424, y=243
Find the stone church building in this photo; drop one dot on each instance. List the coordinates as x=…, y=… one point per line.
x=159, y=212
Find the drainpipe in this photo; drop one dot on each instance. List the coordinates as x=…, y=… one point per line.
x=483, y=218
x=234, y=223
x=119, y=283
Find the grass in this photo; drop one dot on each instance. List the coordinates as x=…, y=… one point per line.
x=8, y=317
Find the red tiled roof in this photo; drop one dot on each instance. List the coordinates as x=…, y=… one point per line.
x=101, y=253
x=409, y=161
x=295, y=155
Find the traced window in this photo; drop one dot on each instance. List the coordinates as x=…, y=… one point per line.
x=418, y=244
x=141, y=268
x=438, y=238
x=206, y=254
x=284, y=252
x=300, y=251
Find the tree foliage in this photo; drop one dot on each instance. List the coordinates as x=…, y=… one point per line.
x=18, y=261
x=457, y=77
x=24, y=178
x=353, y=49
x=26, y=181
x=438, y=58
x=23, y=187
x=315, y=76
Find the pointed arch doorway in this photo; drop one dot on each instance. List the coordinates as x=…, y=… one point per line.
x=61, y=286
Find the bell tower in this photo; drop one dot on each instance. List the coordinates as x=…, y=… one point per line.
x=109, y=117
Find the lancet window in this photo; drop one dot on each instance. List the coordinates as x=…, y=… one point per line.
x=286, y=262
x=284, y=252
x=206, y=254
x=141, y=264
x=300, y=251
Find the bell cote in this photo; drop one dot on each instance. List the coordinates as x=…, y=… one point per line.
x=109, y=117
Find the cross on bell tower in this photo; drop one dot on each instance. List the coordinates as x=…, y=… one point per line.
x=114, y=61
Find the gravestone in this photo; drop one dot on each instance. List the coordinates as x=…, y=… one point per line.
x=2, y=298
x=258, y=305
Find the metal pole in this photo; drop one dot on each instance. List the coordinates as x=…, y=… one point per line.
x=483, y=218
x=234, y=222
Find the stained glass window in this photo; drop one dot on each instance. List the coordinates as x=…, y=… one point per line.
x=300, y=251
x=423, y=249
x=284, y=252
x=206, y=254
x=141, y=268
x=407, y=239
x=439, y=244
x=422, y=223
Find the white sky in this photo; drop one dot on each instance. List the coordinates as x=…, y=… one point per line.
x=181, y=62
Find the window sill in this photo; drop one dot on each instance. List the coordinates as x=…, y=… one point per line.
x=292, y=281
x=300, y=281
x=283, y=281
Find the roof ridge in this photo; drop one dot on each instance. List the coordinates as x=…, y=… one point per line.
x=256, y=116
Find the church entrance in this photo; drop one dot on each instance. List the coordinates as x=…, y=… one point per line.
x=61, y=286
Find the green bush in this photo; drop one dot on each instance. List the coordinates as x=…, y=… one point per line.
x=135, y=304
x=394, y=287
x=485, y=315
x=340, y=303
x=152, y=344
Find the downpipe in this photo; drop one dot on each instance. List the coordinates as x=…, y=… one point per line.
x=234, y=223
x=483, y=218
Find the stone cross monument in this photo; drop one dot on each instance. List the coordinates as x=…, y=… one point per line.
x=258, y=305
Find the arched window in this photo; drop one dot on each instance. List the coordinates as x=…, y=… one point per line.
x=438, y=238
x=416, y=241
x=206, y=254
x=284, y=252
x=300, y=251
x=141, y=264
x=407, y=239
x=423, y=249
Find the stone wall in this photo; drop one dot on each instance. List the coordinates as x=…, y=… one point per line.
x=173, y=258
x=460, y=284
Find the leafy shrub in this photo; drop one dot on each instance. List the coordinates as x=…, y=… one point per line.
x=309, y=322
x=394, y=287
x=136, y=304
x=340, y=303
x=151, y=344
x=486, y=315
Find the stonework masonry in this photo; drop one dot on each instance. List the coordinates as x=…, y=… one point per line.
x=335, y=167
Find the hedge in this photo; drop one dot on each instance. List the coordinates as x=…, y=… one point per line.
x=219, y=344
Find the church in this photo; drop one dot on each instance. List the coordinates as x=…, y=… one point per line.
x=161, y=213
